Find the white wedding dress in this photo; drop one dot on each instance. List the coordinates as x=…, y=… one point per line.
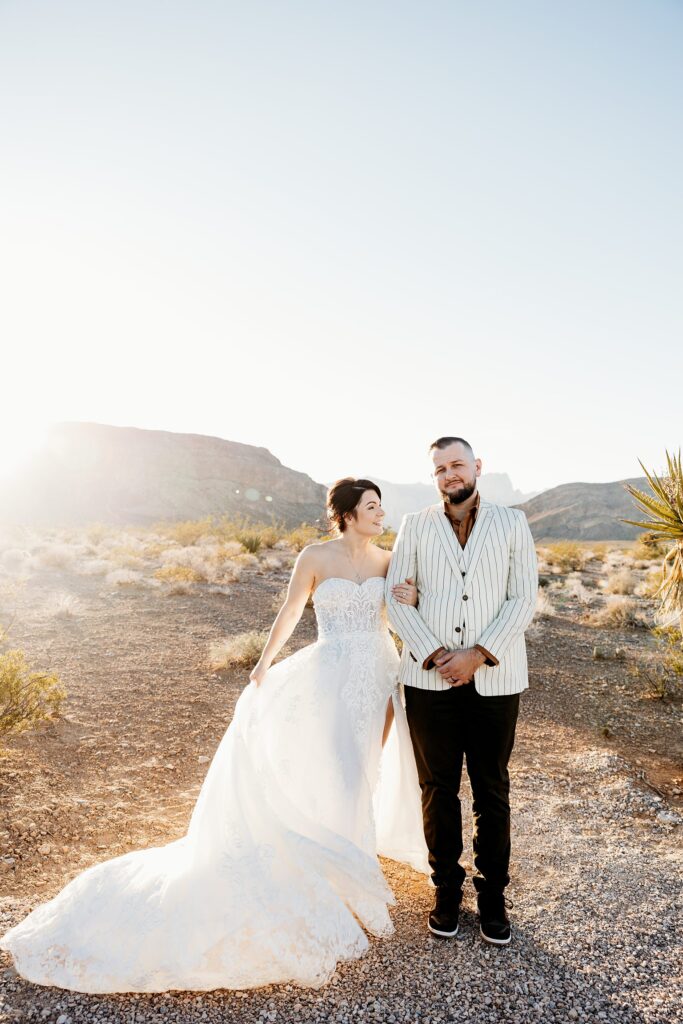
x=277, y=876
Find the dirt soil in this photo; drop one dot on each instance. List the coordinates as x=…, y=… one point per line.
x=122, y=768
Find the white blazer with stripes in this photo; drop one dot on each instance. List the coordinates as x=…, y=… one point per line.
x=484, y=593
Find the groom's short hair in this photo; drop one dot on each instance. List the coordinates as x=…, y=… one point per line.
x=443, y=442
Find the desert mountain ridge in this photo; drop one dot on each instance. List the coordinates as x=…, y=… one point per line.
x=583, y=511
x=93, y=472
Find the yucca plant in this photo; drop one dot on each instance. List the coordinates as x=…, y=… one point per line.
x=664, y=511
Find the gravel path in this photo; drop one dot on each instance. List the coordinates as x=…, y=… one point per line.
x=597, y=894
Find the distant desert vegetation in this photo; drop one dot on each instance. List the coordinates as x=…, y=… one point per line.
x=599, y=585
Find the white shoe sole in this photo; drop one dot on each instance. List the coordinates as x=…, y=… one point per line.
x=494, y=942
x=444, y=935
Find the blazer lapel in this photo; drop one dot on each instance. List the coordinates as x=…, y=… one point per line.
x=477, y=539
x=449, y=541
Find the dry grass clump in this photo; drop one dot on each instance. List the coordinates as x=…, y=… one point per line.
x=649, y=586
x=206, y=563
x=125, y=578
x=544, y=606
x=95, y=567
x=564, y=556
x=178, y=574
x=575, y=588
x=618, y=611
x=55, y=556
x=128, y=556
x=620, y=581
x=241, y=651
x=64, y=606
x=246, y=559
x=661, y=672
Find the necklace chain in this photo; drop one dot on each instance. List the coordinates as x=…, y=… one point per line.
x=359, y=577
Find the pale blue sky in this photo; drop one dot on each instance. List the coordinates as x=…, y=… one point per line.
x=340, y=230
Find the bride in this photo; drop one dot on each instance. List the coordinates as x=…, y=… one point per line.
x=277, y=879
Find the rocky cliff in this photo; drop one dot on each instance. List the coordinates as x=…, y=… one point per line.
x=89, y=472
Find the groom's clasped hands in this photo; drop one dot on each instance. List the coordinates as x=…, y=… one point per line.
x=458, y=667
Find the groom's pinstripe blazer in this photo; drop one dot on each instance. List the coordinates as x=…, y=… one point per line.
x=484, y=593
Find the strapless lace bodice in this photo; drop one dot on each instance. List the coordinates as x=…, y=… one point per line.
x=343, y=607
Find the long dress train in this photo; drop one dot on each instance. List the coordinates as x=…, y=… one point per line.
x=277, y=879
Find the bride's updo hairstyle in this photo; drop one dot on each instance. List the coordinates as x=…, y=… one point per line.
x=344, y=497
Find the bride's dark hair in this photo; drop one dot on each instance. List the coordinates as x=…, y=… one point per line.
x=344, y=497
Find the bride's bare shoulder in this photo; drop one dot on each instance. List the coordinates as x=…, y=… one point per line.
x=318, y=553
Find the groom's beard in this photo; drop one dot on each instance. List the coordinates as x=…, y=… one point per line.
x=462, y=494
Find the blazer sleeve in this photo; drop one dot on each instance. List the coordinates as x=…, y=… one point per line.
x=522, y=587
x=403, y=618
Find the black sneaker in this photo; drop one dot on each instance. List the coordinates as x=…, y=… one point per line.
x=443, y=920
x=494, y=925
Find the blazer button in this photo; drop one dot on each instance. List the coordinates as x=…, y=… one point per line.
x=462, y=571
x=465, y=597
x=457, y=629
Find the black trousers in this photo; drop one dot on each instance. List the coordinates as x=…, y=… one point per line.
x=445, y=726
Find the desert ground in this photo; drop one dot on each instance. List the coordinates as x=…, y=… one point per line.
x=138, y=626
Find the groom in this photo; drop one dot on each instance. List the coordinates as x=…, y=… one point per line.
x=463, y=667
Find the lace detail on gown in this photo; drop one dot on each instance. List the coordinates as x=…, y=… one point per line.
x=277, y=878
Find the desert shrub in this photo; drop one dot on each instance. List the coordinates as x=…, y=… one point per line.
x=250, y=540
x=178, y=574
x=127, y=558
x=55, y=556
x=124, y=578
x=241, y=651
x=544, y=606
x=564, y=556
x=622, y=581
x=246, y=560
x=94, y=567
x=270, y=535
x=576, y=589
x=303, y=535
x=228, y=549
x=187, y=532
x=649, y=586
x=179, y=588
x=96, y=532
x=26, y=697
x=386, y=541
x=648, y=547
x=617, y=612
x=662, y=673
x=64, y=606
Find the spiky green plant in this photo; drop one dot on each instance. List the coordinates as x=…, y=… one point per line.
x=664, y=511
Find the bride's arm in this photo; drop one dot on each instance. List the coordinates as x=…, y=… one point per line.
x=300, y=586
